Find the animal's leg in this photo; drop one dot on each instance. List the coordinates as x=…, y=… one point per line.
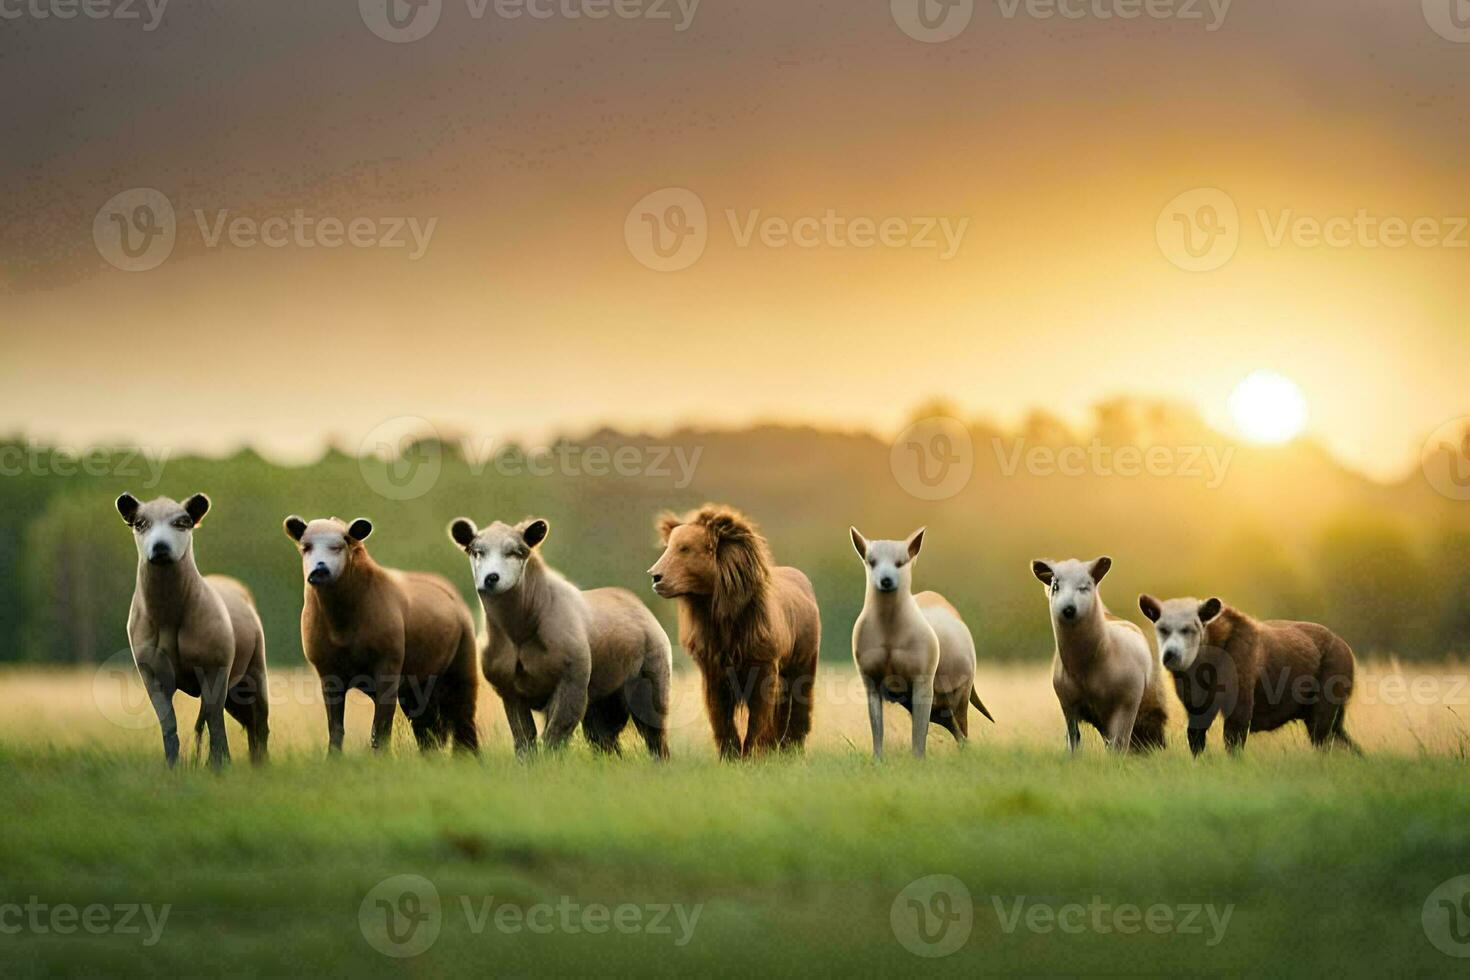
x=248, y=703
x=566, y=709
x=1324, y=725
x=875, y=713
x=1120, y=726
x=1196, y=735
x=458, y=692
x=961, y=717
x=161, y=696
x=522, y=724
x=334, y=696
x=648, y=702
x=385, y=704
x=760, y=725
x=798, y=690
x=1236, y=732
x=604, y=722
x=719, y=702
x=214, y=691
x=1074, y=730
x=920, y=711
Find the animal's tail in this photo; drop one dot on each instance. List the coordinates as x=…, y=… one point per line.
x=980, y=705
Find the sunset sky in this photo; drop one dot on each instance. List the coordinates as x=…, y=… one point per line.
x=526, y=142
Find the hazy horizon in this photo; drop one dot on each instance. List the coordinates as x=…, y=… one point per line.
x=520, y=150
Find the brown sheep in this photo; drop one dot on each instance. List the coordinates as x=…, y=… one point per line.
x=1256, y=675
x=400, y=637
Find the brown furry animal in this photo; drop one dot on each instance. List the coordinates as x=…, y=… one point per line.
x=1103, y=672
x=753, y=629
x=199, y=634
x=1257, y=676
x=402, y=638
x=595, y=658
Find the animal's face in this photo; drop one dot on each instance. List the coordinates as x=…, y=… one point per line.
x=328, y=546
x=890, y=564
x=688, y=565
x=1071, y=587
x=163, y=529
x=1179, y=627
x=498, y=553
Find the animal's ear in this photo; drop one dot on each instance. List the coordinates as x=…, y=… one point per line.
x=127, y=506
x=462, y=531
x=1100, y=568
x=666, y=523
x=535, y=532
x=1150, y=607
x=1209, y=609
x=916, y=541
x=196, y=507
x=295, y=527
x=1042, y=570
x=859, y=542
x=359, y=529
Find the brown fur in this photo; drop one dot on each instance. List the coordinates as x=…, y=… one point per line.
x=752, y=628
x=597, y=658
x=402, y=638
x=1103, y=671
x=1259, y=676
x=199, y=634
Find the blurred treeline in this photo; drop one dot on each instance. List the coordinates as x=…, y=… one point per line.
x=1288, y=534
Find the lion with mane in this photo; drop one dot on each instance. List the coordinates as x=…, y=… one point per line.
x=752, y=627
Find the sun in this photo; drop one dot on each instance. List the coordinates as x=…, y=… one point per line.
x=1268, y=408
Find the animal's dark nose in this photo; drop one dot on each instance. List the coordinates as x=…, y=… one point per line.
x=885, y=583
x=491, y=579
x=160, y=550
x=1069, y=612
x=657, y=578
x=318, y=574
x=1171, y=659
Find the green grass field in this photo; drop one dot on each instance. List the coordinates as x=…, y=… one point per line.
x=787, y=866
